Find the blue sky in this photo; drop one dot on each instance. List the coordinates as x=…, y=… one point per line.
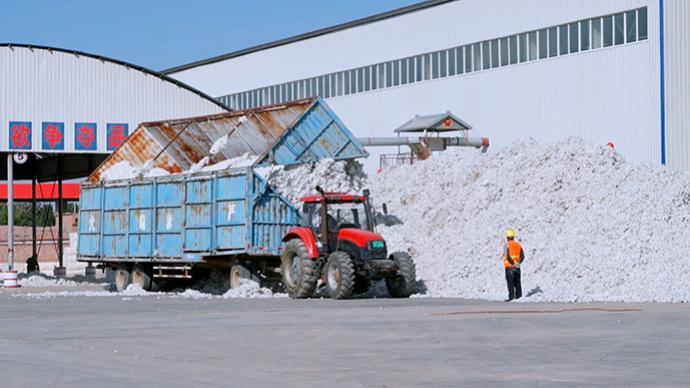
x=160, y=34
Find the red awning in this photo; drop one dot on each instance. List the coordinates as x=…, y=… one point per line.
x=44, y=191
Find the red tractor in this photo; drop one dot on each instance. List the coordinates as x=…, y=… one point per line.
x=337, y=242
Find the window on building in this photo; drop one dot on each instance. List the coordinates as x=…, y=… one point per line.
x=367, y=78
x=630, y=26
x=348, y=79
x=419, y=68
x=403, y=71
x=389, y=75
x=574, y=37
x=459, y=60
x=338, y=84
x=326, y=86
x=486, y=55
x=444, y=63
x=410, y=69
x=522, y=42
x=346, y=83
x=553, y=41
x=396, y=73
x=505, y=59
x=563, y=39
x=513, y=50
x=608, y=31
x=596, y=33
x=427, y=66
x=468, y=59
x=374, y=69
x=333, y=87
x=494, y=53
x=618, y=28
x=436, y=64
x=533, y=45
x=584, y=35
x=360, y=80
x=642, y=24
x=477, y=54
x=452, y=61
x=543, y=48
x=319, y=86
x=381, y=70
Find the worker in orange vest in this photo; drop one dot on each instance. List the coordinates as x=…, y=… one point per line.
x=513, y=256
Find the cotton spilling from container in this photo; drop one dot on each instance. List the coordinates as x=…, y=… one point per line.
x=296, y=181
x=594, y=227
x=125, y=170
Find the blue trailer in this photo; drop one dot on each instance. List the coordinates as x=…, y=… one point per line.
x=149, y=229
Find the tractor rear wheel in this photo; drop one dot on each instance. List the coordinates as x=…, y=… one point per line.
x=300, y=272
x=405, y=283
x=340, y=275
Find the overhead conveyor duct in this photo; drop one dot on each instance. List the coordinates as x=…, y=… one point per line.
x=431, y=127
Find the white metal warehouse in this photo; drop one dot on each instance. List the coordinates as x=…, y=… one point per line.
x=81, y=106
x=607, y=71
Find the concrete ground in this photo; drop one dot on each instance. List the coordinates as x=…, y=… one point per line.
x=168, y=341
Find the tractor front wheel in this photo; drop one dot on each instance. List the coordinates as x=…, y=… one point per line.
x=405, y=283
x=300, y=272
x=340, y=275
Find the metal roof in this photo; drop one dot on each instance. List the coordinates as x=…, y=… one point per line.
x=309, y=35
x=296, y=132
x=128, y=65
x=441, y=122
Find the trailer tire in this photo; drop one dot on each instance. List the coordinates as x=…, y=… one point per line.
x=340, y=275
x=300, y=272
x=123, y=278
x=141, y=277
x=405, y=283
x=239, y=274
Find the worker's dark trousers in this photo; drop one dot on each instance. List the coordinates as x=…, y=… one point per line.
x=514, y=283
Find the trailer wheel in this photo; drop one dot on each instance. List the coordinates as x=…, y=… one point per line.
x=404, y=284
x=299, y=271
x=239, y=274
x=123, y=278
x=340, y=275
x=141, y=277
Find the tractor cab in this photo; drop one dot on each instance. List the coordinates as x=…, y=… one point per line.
x=331, y=215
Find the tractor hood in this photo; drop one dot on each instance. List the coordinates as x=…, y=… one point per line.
x=358, y=237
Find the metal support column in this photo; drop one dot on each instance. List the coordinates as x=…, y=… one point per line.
x=60, y=271
x=10, y=212
x=34, y=221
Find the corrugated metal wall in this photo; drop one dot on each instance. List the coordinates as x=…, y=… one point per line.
x=609, y=94
x=38, y=85
x=677, y=74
